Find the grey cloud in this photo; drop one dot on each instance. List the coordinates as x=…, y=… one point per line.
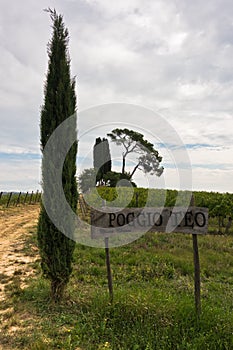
x=172, y=56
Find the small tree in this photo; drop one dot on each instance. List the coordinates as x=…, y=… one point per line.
x=113, y=178
x=87, y=179
x=56, y=249
x=134, y=142
x=101, y=159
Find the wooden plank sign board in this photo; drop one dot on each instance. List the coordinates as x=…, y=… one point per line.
x=112, y=221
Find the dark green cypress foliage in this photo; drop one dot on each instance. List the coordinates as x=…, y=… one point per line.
x=56, y=249
x=107, y=157
x=101, y=158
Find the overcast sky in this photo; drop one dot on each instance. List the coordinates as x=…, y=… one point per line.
x=171, y=57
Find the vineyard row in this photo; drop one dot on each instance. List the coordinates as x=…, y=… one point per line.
x=14, y=199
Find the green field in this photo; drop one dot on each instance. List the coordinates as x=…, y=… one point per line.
x=153, y=307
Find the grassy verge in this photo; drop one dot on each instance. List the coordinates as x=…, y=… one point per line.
x=153, y=304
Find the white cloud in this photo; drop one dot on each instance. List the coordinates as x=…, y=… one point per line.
x=20, y=175
x=20, y=82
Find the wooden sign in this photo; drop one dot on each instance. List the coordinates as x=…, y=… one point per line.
x=111, y=221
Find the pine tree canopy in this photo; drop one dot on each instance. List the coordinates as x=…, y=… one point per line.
x=133, y=142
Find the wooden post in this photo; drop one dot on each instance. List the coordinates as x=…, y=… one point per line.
x=109, y=273
x=9, y=199
x=197, y=279
x=30, y=201
x=197, y=275
x=18, y=199
x=228, y=226
x=25, y=198
x=37, y=192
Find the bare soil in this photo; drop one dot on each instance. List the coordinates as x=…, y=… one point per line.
x=16, y=256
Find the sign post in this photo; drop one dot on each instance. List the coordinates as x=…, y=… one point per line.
x=109, y=273
x=111, y=222
x=197, y=278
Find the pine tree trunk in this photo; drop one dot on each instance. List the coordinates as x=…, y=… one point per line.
x=123, y=165
x=133, y=172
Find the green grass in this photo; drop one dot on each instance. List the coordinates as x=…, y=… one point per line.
x=153, y=307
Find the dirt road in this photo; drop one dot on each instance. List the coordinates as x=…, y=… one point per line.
x=15, y=226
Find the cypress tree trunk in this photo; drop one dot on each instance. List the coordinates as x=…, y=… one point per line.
x=134, y=170
x=56, y=249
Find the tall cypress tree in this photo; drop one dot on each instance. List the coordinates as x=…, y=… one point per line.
x=101, y=158
x=107, y=157
x=56, y=249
